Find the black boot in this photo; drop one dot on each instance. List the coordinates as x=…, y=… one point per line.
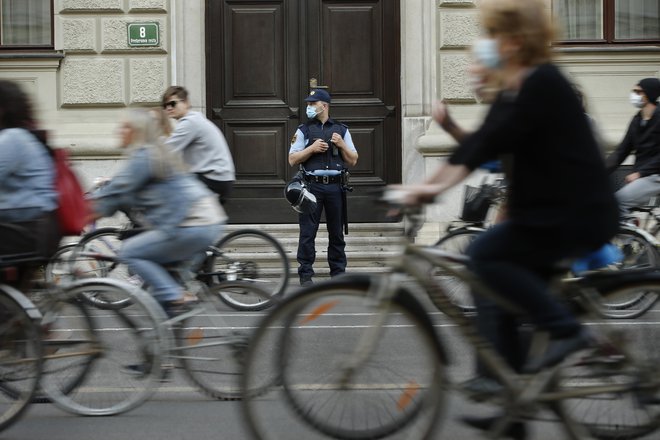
x=515, y=431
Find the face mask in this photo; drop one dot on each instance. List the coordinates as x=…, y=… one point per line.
x=311, y=112
x=636, y=100
x=486, y=52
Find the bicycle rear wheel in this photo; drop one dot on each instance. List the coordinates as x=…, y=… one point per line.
x=253, y=256
x=212, y=351
x=20, y=354
x=90, y=358
x=399, y=380
x=626, y=367
x=458, y=292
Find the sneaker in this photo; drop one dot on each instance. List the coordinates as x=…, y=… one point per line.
x=175, y=308
x=138, y=370
x=306, y=281
x=515, y=430
x=481, y=388
x=558, y=349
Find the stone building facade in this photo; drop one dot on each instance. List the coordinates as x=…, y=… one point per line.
x=81, y=87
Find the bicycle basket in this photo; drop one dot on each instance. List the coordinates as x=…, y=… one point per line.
x=476, y=201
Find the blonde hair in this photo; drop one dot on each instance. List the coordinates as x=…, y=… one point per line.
x=528, y=21
x=162, y=119
x=148, y=133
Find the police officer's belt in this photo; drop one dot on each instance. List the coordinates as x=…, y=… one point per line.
x=323, y=179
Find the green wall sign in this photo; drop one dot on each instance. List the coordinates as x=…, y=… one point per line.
x=143, y=34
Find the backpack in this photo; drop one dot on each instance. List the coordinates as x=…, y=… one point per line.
x=73, y=210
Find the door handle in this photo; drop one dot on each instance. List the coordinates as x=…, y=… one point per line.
x=293, y=112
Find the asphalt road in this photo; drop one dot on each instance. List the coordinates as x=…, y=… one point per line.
x=178, y=411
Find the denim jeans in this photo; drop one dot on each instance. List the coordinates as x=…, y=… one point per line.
x=146, y=253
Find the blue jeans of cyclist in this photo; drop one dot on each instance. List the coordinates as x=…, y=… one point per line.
x=146, y=253
x=517, y=262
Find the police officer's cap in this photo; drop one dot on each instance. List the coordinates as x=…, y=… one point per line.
x=318, y=95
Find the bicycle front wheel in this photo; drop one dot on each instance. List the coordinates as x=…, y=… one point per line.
x=252, y=256
x=457, y=291
x=365, y=380
x=103, y=361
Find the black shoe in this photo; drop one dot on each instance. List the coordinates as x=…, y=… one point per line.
x=138, y=370
x=558, y=349
x=175, y=308
x=516, y=430
x=306, y=282
x=481, y=388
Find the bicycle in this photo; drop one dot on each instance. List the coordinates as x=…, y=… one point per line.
x=640, y=249
x=199, y=341
x=349, y=386
x=247, y=255
x=21, y=354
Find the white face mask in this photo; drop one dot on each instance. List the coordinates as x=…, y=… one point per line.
x=486, y=51
x=312, y=112
x=636, y=100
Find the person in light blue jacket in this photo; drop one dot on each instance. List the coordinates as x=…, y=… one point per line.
x=181, y=216
x=28, y=200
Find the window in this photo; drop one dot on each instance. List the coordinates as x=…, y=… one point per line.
x=608, y=21
x=26, y=24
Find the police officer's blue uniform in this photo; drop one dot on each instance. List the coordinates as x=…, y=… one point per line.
x=323, y=176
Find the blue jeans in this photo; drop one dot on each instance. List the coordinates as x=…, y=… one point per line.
x=146, y=253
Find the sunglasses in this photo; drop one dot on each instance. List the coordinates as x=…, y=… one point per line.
x=170, y=104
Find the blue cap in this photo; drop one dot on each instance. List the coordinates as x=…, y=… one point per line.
x=318, y=95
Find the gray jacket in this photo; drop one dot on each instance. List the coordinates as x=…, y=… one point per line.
x=203, y=147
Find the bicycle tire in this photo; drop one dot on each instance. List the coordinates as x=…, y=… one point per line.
x=211, y=352
x=628, y=359
x=457, y=241
x=21, y=352
x=253, y=256
x=385, y=394
x=57, y=270
x=115, y=339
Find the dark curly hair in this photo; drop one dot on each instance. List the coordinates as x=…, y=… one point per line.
x=15, y=107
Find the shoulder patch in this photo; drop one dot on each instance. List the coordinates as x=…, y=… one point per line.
x=294, y=138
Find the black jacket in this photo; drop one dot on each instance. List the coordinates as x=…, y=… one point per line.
x=644, y=141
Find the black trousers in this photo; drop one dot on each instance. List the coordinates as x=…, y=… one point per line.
x=222, y=188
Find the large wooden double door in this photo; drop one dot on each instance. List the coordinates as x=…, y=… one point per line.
x=262, y=58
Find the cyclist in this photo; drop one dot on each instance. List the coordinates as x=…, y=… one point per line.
x=560, y=204
x=28, y=199
x=642, y=139
x=181, y=216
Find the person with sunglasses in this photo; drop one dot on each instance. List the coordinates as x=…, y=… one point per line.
x=643, y=140
x=200, y=142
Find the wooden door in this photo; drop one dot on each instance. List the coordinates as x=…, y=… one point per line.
x=262, y=56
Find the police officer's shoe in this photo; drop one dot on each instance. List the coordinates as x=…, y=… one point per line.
x=306, y=281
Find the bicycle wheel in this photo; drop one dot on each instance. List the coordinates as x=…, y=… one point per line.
x=211, y=351
x=253, y=256
x=89, y=358
x=349, y=387
x=58, y=269
x=457, y=241
x=638, y=251
x=625, y=367
x=20, y=354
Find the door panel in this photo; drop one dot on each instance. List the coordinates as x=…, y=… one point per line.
x=261, y=57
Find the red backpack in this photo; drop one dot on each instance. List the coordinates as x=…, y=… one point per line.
x=74, y=211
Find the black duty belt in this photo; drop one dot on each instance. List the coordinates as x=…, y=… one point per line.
x=323, y=179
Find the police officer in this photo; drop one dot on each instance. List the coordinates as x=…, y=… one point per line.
x=325, y=150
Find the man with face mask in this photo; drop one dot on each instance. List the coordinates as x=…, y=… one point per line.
x=643, y=140
x=324, y=149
